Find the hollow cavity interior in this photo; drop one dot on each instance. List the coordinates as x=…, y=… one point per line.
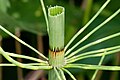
x=55, y=10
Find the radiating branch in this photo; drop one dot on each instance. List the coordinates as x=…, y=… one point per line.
x=45, y=15
x=92, y=67
x=57, y=73
x=62, y=73
x=94, y=30
x=6, y=31
x=96, y=71
x=90, y=53
x=25, y=64
x=26, y=57
x=70, y=74
x=21, y=64
x=91, y=20
x=94, y=43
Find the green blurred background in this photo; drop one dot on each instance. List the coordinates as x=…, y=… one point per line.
x=25, y=19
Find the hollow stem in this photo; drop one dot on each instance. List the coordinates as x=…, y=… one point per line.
x=56, y=39
x=56, y=28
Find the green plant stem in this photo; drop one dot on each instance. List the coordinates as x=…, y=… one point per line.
x=56, y=40
x=84, y=55
x=56, y=59
x=96, y=71
x=56, y=26
x=6, y=31
x=94, y=30
x=91, y=20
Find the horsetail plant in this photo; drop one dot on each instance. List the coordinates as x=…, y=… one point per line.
x=60, y=57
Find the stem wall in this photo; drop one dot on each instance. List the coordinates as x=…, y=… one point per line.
x=56, y=39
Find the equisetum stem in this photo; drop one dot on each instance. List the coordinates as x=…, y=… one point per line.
x=56, y=39
x=56, y=59
x=56, y=27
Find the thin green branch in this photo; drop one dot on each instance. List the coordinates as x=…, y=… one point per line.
x=93, y=67
x=84, y=55
x=100, y=54
x=62, y=74
x=68, y=72
x=36, y=64
x=5, y=30
x=7, y=64
x=57, y=73
x=21, y=64
x=26, y=57
x=95, y=55
x=91, y=20
x=45, y=14
x=94, y=43
x=93, y=31
x=28, y=64
x=96, y=71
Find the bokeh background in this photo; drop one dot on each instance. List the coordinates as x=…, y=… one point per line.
x=25, y=19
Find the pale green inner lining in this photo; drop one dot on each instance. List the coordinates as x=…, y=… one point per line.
x=56, y=10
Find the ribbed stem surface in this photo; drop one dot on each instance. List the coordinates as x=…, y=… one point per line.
x=56, y=39
x=56, y=28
